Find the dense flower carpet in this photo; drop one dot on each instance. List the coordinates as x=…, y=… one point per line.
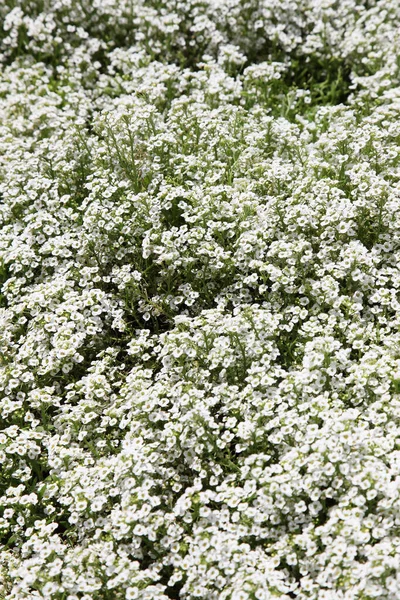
x=200, y=299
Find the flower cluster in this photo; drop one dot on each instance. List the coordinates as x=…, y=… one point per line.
x=199, y=300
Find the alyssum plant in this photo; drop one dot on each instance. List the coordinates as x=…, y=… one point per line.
x=200, y=300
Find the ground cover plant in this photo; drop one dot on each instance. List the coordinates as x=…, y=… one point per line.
x=200, y=299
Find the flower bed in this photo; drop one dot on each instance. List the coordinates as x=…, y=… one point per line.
x=200, y=300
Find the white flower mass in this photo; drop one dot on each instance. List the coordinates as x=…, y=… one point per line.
x=199, y=299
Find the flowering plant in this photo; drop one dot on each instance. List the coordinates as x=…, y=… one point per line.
x=200, y=300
